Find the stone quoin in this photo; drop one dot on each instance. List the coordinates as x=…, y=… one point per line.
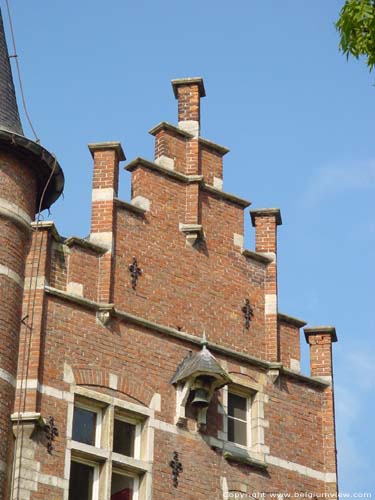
x=109, y=388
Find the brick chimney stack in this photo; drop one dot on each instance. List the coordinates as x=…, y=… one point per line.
x=107, y=156
x=265, y=221
x=188, y=92
x=320, y=339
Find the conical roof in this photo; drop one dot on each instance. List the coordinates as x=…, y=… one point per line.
x=200, y=363
x=9, y=116
x=49, y=175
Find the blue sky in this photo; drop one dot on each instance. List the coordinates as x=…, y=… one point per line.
x=298, y=118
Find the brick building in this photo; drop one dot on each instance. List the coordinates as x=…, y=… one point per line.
x=149, y=360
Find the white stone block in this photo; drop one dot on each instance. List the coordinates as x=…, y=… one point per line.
x=190, y=126
x=75, y=288
x=165, y=161
x=141, y=202
x=270, y=306
x=104, y=194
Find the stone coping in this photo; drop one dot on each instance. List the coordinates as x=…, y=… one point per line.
x=129, y=206
x=177, y=82
x=256, y=256
x=226, y=196
x=319, y=330
x=86, y=244
x=213, y=145
x=171, y=128
x=50, y=225
x=266, y=212
x=187, y=179
x=226, y=351
x=105, y=146
x=299, y=323
x=205, y=142
x=159, y=168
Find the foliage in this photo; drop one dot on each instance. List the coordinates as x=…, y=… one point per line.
x=356, y=26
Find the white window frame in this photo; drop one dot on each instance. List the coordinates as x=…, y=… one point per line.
x=135, y=478
x=137, y=434
x=248, y=399
x=99, y=419
x=101, y=456
x=95, y=481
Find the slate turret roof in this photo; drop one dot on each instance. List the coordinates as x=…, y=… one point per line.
x=9, y=115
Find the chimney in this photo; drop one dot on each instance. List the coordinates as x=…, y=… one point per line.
x=107, y=156
x=320, y=339
x=188, y=92
x=265, y=221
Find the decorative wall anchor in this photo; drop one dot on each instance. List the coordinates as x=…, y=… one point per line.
x=177, y=468
x=135, y=272
x=248, y=313
x=51, y=433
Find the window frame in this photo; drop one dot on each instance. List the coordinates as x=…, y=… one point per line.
x=96, y=474
x=101, y=456
x=98, y=410
x=248, y=399
x=124, y=417
x=126, y=473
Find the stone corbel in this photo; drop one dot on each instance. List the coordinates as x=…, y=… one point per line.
x=103, y=315
x=192, y=232
x=273, y=374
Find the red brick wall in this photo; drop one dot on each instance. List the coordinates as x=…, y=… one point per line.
x=289, y=339
x=150, y=359
x=172, y=145
x=211, y=164
x=196, y=288
x=17, y=186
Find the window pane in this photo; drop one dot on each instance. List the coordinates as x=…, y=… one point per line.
x=84, y=424
x=121, y=487
x=123, y=438
x=237, y=432
x=237, y=406
x=81, y=480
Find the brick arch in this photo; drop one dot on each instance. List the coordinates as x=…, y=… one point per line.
x=131, y=386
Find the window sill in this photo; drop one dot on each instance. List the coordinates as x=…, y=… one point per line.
x=133, y=464
x=88, y=451
x=244, y=457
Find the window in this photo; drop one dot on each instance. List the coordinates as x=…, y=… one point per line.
x=83, y=480
x=242, y=406
x=238, y=412
x=124, y=436
x=106, y=447
x=236, y=408
x=86, y=425
x=122, y=486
